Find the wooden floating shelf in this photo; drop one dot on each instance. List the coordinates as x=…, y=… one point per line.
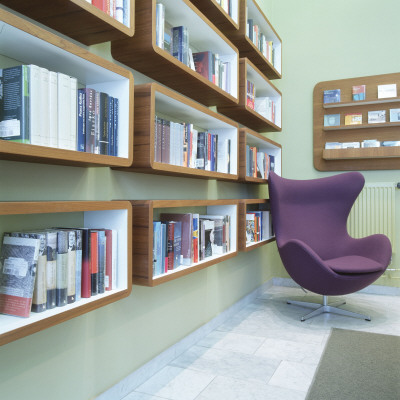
x=350, y=159
x=255, y=204
x=142, y=54
x=362, y=103
x=362, y=126
x=154, y=99
x=77, y=19
x=45, y=49
x=264, y=88
x=92, y=214
x=250, y=9
x=362, y=153
x=251, y=138
x=142, y=228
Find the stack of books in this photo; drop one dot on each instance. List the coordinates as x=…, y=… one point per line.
x=186, y=239
x=251, y=95
x=181, y=144
x=55, y=267
x=46, y=108
x=258, y=226
x=258, y=163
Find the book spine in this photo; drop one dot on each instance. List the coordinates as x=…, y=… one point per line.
x=108, y=280
x=53, y=109
x=62, y=268
x=170, y=253
x=39, y=292
x=71, y=267
x=78, y=263
x=81, y=131
x=119, y=11
x=101, y=257
x=94, y=264
x=86, y=265
x=73, y=145
x=97, y=123
x=90, y=119
x=44, y=121
x=103, y=123
x=110, y=122
x=116, y=123
x=51, y=269
x=64, y=110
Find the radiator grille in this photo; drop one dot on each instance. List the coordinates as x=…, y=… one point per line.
x=374, y=212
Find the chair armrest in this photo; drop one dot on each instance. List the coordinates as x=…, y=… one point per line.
x=376, y=247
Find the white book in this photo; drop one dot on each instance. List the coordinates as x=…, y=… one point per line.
x=35, y=110
x=222, y=156
x=73, y=145
x=119, y=11
x=387, y=91
x=194, y=148
x=63, y=110
x=53, y=109
x=266, y=226
x=160, y=24
x=180, y=147
x=260, y=164
x=45, y=107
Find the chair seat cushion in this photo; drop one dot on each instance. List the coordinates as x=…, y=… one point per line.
x=354, y=265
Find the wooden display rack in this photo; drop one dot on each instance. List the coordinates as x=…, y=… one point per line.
x=29, y=44
x=244, y=206
x=242, y=112
x=152, y=99
x=377, y=158
x=93, y=214
x=143, y=216
x=77, y=19
x=251, y=138
x=142, y=54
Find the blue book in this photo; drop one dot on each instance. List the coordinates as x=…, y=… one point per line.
x=14, y=124
x=177, y=244
x=110, y=121
x=157, y=253
x=101, y=245
x=81, y=123
x=115, y=130
x=180, y=44
x=332, y=96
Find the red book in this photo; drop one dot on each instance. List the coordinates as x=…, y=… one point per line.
x=86, y=285
x=94, y=262
x=100, y=4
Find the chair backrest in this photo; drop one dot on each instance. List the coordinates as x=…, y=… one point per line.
x=314, y=211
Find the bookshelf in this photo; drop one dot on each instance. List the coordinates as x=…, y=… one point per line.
x=369, y=158
x=146, y=211
x=251, y=138
x=142, y=54
x=153, y=100
x=248, y=205
x=24, y=43
x=214, y=11
x=77, y=19
x=249, y=9
x=243, y=112
x=89, y=214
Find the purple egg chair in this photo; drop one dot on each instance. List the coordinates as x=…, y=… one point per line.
x=309, y=219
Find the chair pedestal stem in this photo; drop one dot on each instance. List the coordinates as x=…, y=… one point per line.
x=325, y=308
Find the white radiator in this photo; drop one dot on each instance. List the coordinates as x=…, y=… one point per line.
x=374, y=212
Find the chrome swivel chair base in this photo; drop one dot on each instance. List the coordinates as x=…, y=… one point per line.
x=325, y=308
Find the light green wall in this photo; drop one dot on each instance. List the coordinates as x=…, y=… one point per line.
x=325, y=40
x=81, y=358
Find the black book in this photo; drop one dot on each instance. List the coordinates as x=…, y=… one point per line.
x=62, y=268
x=103, y=121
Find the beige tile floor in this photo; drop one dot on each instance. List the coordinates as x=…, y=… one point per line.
x=264, y=352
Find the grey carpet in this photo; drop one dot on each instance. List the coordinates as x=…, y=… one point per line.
x=358, y=366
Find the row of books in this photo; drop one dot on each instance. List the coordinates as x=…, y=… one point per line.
x=226, y=6
x=186, y=239
x=181, y=144
x=265, y=46
x=175, y=40
x=374, y=117
x=46, y=108
x=41, y=270
x=258, y=226
x=250, y=94
x=364, y=144
x=117, y=9
x=359, y=93
x=258, y=163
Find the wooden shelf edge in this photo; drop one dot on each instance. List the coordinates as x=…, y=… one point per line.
x=257, y=244
x=361, y=126
x=361, y=153
x=362, y=103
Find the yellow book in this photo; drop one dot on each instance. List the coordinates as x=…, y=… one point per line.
x=353, y=119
